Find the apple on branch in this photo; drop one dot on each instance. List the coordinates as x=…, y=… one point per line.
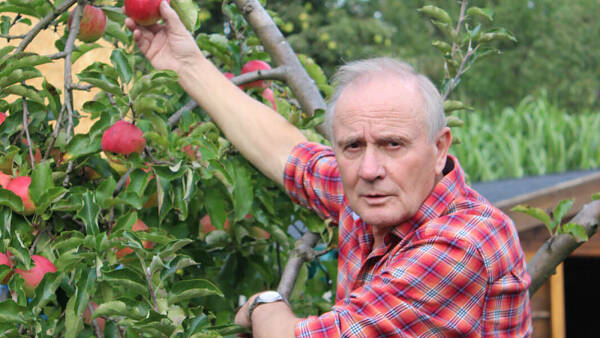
x=143, y=12
x=5, y=260
x=20, y=186
x=123, y=138
x=33, y=276
x=253, y=66
x=4, y=180
x=92, y=25
x=139, y=225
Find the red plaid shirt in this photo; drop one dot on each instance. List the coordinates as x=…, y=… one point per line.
x=456, y=268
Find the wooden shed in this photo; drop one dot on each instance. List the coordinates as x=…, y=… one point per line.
x=565, y=305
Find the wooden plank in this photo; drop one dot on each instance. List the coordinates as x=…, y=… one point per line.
x=579, y=189
x=557, y=303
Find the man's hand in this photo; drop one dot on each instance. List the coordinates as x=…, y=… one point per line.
x=268, y=320
x=242, y=317
x=167, y=46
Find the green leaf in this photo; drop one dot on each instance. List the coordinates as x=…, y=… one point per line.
x=561, y=210
x=243, y=195
x=46, y=290
x=485, y=13
x=105, y=190
x=538, y=213
x=21, y=90
x=50, y=196
x=576, y=231
x=73, y=322
x=215, y=206
x=453, y=121
x=174, y=247
x=128, y=280
x=82, y=145
x=119, y=60
x=497, y=35
x=596, y=197
x=89, y=213
x=125, y=222
x=118, y=308
x=192, y=288
x=452, y=105
x=114, y=30
x=436, y=13
x=41, y=180
x=12, y=313
x=9, y=199
x=187, y=11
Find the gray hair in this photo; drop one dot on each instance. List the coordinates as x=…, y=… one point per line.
x=348, y=73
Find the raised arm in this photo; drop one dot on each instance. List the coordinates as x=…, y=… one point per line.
x=263, y=136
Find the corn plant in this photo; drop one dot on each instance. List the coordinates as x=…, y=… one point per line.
x=535, y=138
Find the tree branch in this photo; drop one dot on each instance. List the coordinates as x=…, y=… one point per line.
x=26, y=128
x=43, y=23
x=301, y=84
x=556, y=249
x=303, y=252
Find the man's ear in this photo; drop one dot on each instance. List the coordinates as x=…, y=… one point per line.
x=443, y=141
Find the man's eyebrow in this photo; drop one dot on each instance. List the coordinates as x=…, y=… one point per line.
x=393, y=138
x=349, y=140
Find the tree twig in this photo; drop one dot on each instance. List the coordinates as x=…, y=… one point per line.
x=303, y=252
x=43, y=23
x=301, y=84
x=26, y=128
x=461, y=18
x=556, y=249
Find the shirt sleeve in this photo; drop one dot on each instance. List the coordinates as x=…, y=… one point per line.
x=312, y=179
x=434, y=288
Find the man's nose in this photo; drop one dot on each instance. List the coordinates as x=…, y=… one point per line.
x=371, y=166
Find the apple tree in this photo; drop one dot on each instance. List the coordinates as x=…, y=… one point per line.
x=152, y=223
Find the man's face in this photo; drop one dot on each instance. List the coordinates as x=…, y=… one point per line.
x=387, y=163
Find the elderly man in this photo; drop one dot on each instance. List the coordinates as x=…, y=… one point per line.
x=420, y=253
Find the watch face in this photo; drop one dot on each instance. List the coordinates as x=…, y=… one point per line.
x=269, y=296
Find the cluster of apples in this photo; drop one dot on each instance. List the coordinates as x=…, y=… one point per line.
x=253, y=66
x=93, y=21
x=33, y=276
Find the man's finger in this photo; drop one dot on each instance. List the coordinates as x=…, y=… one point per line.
x=170, y=17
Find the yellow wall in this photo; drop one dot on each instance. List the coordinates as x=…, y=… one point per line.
x=43, y=44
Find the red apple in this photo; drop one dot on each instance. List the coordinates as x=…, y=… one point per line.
x=87, y=317
x=33, y=276
x=123, y=138
x=143, y=12
x=4, y=180
x=269, y=96
x=92, y=24
x=253, y=66
x=20, y=186
x=5, y=260
x=137, y=226
x=206, y=225
x=2, y=117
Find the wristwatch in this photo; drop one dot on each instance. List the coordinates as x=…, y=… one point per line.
x=264, y=298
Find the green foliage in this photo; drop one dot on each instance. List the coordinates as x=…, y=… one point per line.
x=553, y=221
x=535, y=138
x=555, y=47
x=179, y=277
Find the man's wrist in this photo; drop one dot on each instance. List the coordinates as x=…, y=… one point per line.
x=267, y=297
